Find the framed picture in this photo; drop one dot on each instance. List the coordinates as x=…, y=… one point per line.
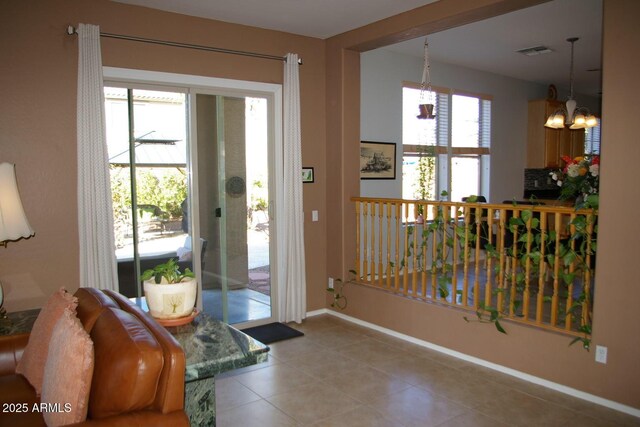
x=307, y=175
x=377, y=160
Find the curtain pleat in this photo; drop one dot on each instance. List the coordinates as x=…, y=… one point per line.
x=292, y=303
x=95, y=215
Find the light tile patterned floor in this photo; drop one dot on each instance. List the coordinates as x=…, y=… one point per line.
x=342, y=374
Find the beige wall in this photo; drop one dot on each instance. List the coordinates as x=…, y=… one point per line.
x=37, y=119
x=543, y=354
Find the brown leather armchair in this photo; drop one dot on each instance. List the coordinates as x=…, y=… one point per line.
x=138, y=377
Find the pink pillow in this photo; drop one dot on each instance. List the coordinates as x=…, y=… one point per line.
x=31, y=364
x=67, y=372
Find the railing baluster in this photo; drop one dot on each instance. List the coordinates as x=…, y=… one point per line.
x=434, y=256
x=556, y=269
x=503, y=261
x=465, y=280
x=476, y=259
x=388, y=267
x=541, y=267
x=358, y=239
x=374, y=265
x=454, y=273
x=488, y=291
x=514, y=266
x=414, y=258
x=405, y=275
x=572, y=245
x=396, y=276
x=423, y=242
x=587, y=273
x=365, y=264
x=380, y=234
x=527, y=272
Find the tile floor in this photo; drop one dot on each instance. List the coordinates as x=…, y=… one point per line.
x=342, y=374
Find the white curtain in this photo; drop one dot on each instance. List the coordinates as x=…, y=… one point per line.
x=293, y=298
x=95, y=220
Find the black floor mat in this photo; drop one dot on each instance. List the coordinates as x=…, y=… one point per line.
x=272, y=332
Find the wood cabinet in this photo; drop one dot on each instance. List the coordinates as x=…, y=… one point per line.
x=545, y=147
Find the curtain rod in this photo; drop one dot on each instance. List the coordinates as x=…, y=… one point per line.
x=71, y=30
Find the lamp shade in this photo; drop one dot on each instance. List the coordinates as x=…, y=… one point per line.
x=13, y=222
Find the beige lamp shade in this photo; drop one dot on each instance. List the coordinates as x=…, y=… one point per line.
x=13, y=222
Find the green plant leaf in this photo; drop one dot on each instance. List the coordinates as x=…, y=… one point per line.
x=499, y=327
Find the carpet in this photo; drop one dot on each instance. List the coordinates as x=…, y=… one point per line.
x=272, y=332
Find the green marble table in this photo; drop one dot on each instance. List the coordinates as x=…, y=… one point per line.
x=18, y=322
x=210, y=346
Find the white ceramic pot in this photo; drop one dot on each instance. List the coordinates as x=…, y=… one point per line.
x=170, y=301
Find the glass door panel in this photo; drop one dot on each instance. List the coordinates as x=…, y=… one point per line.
x=233, y=203
x=147, y=145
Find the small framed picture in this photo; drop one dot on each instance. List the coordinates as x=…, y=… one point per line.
x=307, y=175
x=377, y=160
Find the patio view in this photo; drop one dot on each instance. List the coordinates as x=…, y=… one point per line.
x=153, y=224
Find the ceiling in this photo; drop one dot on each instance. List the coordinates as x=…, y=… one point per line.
x=491, y=45
x=488, y=45
x=314, y=18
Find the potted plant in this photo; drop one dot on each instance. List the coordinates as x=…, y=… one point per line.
x=426, y=174
x=170, y=293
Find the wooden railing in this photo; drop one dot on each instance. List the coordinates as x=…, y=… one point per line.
x=532, y=264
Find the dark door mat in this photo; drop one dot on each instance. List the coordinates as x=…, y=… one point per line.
x=272, y=332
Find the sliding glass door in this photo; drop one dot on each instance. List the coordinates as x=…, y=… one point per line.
x=193, y=164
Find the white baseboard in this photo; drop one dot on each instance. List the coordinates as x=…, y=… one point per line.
x=317, y=312
x=521, y=375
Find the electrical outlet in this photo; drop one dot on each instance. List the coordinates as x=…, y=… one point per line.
x=330, y=284
x=601, y=354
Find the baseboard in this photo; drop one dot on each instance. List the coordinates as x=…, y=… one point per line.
x=317, y=312
x=521, y=375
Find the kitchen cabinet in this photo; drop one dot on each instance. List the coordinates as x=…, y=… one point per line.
x=545, y=147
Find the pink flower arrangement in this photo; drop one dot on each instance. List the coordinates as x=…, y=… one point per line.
x=580, y=177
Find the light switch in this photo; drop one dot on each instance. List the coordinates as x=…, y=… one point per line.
x=314, y=216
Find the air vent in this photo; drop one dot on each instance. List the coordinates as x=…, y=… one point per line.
x=536, y=50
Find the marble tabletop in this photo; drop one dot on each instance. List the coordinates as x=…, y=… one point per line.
x=19, y=322
x=212, y=347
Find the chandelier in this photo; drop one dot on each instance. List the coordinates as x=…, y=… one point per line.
x=570, y=114
x=426, y=105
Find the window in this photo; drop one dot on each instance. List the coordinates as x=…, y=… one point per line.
x=592, y=139
x=449, y=153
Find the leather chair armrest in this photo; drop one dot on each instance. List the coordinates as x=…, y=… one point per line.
x=139, y=418
x=11, y=349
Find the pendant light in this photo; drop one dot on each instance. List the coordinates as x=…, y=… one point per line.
x=570, y=114
x=426, y=105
